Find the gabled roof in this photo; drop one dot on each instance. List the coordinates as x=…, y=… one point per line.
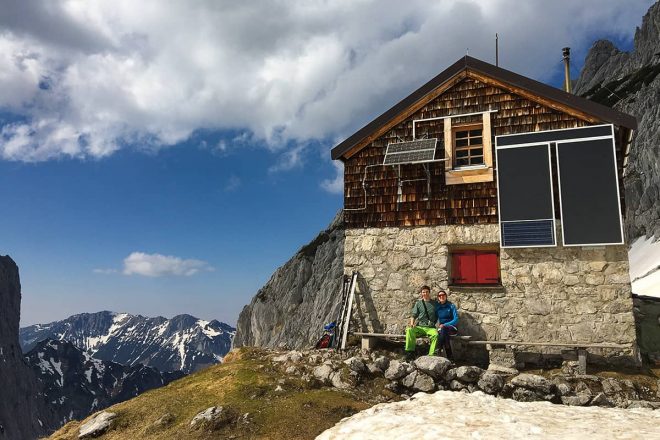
x=508, y=79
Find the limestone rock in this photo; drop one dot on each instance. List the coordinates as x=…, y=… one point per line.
x=382, y=362
x=419, y=381
x=397, y=370
x=323, y=372
x=455, y=385
x=20, y=405
x=533, y=382
x=300, y=297
x=525, y=395
x=435, y=366
x=356, y=364
x=600, y=399
x=468, y=373
x=490, y=383
x=577, y=400
x=97, y=425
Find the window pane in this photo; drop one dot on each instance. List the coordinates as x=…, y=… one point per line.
x=461, y=162
x=461, y=134
x=477, y=152
x=461, y=142
x=476, y=141
x=476, y=132
x=462, y=153
x=477, y=161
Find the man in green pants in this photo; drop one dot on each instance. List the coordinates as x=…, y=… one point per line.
x=422, y=323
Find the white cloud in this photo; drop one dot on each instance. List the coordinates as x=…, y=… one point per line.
x=157, y=265
x=88, y=78
x=336, y=184
x=233, y=183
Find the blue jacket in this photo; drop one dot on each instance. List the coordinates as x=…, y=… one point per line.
x=447, y=313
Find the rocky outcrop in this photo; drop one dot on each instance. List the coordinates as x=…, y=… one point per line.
x=299, y=298
x=630, y=82
x=75, y=384
x=181, y=343
x=23, y=414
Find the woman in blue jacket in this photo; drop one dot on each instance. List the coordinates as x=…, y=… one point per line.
x=447, y=320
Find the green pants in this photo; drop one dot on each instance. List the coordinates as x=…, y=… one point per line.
x=413, y=332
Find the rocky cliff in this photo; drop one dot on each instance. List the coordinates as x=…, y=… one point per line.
x=23, y=414
x=630, y=82
x=299, y=298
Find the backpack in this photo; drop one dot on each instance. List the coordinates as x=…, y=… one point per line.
x=328, y=336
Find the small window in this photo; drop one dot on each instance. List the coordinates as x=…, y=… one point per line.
x=468, y=146
x=475, y=267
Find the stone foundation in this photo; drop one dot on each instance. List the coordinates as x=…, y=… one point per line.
x=558, y=294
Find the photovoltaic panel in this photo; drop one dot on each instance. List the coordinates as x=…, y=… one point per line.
x=554, y=135
x=422, y=150
x=589, y=192
x=525, y=196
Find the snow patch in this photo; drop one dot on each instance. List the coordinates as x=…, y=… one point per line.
x=452, y=415
x=644, y=256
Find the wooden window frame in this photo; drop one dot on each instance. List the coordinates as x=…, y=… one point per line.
x=468, y=128
x=469, y=174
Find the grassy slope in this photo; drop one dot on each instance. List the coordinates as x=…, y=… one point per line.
x=245, y=383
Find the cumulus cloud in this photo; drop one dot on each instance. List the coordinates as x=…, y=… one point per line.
x=336, y=184
x=85, y=79
x=157, y=265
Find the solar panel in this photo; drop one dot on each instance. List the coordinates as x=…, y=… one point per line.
x=418, y=151
x=525, y=199
x=589, y=192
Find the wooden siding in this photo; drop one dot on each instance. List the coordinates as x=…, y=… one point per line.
x=454, y=204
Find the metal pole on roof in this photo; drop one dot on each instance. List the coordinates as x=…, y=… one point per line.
x=566, y=52
x=497, y=51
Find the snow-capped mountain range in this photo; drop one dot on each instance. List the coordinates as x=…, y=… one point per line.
x=74, y=384
x=181, y=343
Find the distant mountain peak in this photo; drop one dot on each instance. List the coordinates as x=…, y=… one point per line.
x=183, y=342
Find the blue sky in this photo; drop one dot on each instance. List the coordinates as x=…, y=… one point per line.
x=167, y=160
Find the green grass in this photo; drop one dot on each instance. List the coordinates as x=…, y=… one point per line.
x=245, y=384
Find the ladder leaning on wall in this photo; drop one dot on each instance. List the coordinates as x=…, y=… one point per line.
x=348, y=293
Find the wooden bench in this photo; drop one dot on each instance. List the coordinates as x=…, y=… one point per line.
x=369, y=339
x=581, y=349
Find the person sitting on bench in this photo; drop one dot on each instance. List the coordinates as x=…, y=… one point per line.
x=423, y=319
x=447, y=320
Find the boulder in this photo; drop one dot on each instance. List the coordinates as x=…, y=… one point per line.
x=97, y=425
x=534, y=382
x=600, y=399
x=468, y=374
x=356, y=364
x=214, y=418
x=525, y=395
x=397, y=370
x=434, y=366
x=490, y=383
x=382, y=362
x=455, y=385
x=419, y=381
x=581, y=399
x=323, y=372
x=373, y=369
x=450, y=375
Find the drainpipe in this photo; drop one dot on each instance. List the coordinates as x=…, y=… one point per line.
x=566, y=52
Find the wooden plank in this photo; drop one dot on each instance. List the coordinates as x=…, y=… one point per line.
x=552, y=344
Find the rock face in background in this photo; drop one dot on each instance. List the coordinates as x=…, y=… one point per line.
x=23, y=414
x=630, y=82
x=181, y=343
x=75, y=385
x=299, y=298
